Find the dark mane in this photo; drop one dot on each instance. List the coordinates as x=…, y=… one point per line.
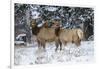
x=35, y=30
x=57, y=30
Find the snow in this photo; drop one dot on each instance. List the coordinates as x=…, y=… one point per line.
x=91, y=37
x=51, y=8
x=40, y=25
x=19, y=42
x=70, y=54
x=35, y=15
x=20, y=35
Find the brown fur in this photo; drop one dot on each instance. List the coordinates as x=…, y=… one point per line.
x=70, y=35
x=44, y=34
x=56, y=25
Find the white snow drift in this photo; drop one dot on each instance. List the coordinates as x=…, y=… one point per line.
x=70, y=54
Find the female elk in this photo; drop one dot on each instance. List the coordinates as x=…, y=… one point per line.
x=44, y=34
x=68, y=35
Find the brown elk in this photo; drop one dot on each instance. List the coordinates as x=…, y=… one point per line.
x=68, y=35
x=45, y=34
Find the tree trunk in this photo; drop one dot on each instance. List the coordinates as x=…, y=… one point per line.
x=29, y=34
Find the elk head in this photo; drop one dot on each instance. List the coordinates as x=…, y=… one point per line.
x=33, y=23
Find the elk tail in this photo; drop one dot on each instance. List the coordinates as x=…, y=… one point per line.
x=80, y=33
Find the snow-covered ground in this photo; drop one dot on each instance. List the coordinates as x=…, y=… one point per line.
x=70, y=54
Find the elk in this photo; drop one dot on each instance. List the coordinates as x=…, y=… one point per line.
x=67, y=35
x=70, y=35
x=45, y=34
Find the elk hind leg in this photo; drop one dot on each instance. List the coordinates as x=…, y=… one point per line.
x=57, y=44
x=43, y=44
x=60, y=45
x=78, y=42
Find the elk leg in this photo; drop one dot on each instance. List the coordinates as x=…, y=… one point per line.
x=77, y=42
x=57, y=45
x=39, y=44
x=43, y=44
x=60, y=42
x=64, y=44
x=60, y=46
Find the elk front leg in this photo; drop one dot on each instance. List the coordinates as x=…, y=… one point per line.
x=43, y=44
x=39, y=44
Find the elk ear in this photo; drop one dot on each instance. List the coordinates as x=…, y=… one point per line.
x=45, y=24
